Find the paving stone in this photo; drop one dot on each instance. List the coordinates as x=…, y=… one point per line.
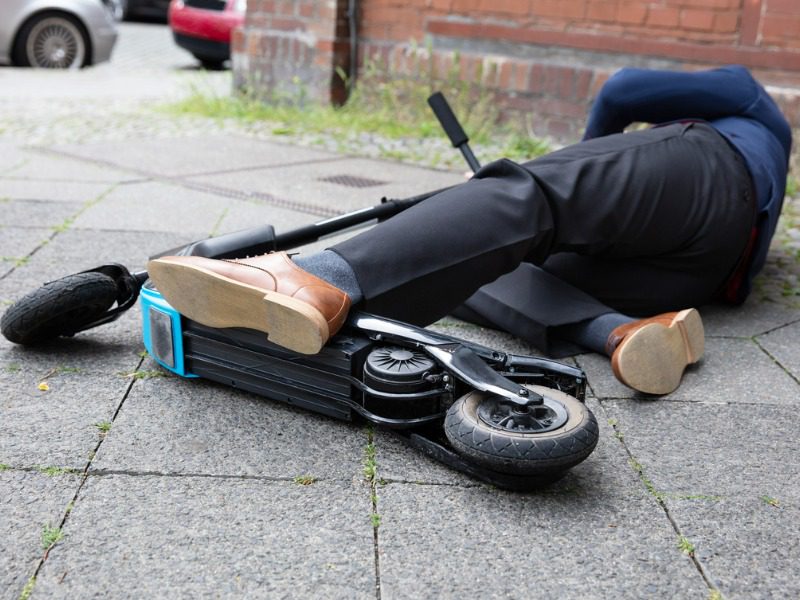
x=63, y=191
x=732, y=370
x=302, y=184
x=782, y=344
x=185, y=156
x=77, y=250
x=451, y=542
x=36, y=213
x=17, y=244
x=29, y=501
x=193, y=537
x=752, y=318
x=712, y=449
x=54, y=428
x=172, y=425
x=154, y=206
x=36, y=165
x=749, y=546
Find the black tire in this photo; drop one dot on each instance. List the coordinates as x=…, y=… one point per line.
x=52, y=40
x=210, y=64
x=524, y=451
x=61, y=307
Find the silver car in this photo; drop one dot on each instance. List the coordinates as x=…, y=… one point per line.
x=56, y=34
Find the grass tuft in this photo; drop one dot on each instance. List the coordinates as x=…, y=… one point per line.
x=51, y=536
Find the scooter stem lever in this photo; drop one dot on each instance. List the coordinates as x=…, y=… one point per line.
x=469, y=367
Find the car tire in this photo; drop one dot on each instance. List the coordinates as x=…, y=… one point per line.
x=54, y=41
x=211, y=64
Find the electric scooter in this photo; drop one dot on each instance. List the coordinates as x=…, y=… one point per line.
x=517, y=422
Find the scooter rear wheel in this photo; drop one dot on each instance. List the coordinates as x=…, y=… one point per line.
x=59, y=308
x=542, y=440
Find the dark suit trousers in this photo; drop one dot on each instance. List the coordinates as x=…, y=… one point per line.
x=639, y=223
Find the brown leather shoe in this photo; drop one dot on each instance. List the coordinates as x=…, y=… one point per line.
x=650, y=355
x=296, y=309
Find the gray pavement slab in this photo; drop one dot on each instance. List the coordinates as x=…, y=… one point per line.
x=452, y=542
x=201, y=537
x=750, y=547
x=29, y=501
x=194, y=155
x=54, y=427
x=732, y=370
x=783, y=345
x=36, y=213
x=153, y=206
x=173, y=425
x=752, y=318
x=729, y=476
x=36, y=164
x=18, y=243
x=62, y=191
x=335, y=185
x=712, y=449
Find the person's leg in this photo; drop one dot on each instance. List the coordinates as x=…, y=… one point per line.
x=672, y=198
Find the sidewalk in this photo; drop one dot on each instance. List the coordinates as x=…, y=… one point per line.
x=163, y=487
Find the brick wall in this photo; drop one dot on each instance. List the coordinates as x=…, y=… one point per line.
x=542, y=59
x=293, y=48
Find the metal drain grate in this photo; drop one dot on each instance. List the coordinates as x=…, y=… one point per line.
x=352, y=181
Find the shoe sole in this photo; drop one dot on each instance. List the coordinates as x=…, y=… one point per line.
x=217, y=301
x=652, y=360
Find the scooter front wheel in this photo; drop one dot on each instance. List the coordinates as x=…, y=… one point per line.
x=59, y=308
x=537, y=440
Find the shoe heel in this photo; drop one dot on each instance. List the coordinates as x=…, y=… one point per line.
x=691, y=327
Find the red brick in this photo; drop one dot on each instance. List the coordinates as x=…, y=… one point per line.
x=702, y=20
x=565, y=9
x=583, y=79
x=781, y=30
x=511, y=7
x=603, y=11
x=726, y=22
x=520, y=76
x=789, y=7
x=663, y=16
x=632, y=13
x=537, y=78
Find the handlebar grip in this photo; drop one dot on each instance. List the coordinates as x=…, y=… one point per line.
x=448, y=120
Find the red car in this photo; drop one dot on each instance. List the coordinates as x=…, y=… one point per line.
x=204, y=27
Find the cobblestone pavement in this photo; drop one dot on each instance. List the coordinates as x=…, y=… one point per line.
x=117, y=480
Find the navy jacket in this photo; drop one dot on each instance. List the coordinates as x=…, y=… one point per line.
x=732, y=102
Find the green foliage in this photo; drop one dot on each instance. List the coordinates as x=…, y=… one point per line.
x=685, y=546
x=28, y=589
x=103, y=426
x=51, y=536
x=304, y=479
x=54, y=471
x=770, y=501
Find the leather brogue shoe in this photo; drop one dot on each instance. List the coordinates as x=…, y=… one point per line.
x=269, y=293
x=650, y=355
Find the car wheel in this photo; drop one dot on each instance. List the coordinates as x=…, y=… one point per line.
x=52, y=41
x=119, y=9
x=211, y=64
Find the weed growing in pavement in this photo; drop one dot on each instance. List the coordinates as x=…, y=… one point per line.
x=4, y=467
x=144, y=374
x=103, y=427
x=685, y=546
x=304, y=479
x=51, y=536
x=54, y=471
x=769, y=500
x=28, y=589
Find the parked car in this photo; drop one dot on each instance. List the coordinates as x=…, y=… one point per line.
x=122, y=9
x=204, y=27
x=56, y=34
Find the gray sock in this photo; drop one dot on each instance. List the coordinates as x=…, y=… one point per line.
x=334, y=269
x=593, y=334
